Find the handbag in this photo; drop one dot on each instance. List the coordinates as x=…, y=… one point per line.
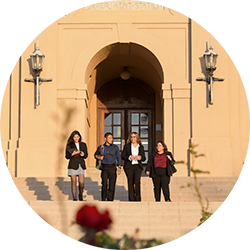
x=173, y=168
x=99, y=162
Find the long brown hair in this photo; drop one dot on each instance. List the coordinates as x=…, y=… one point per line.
x=164, y=146
x=137, y=137
x=71, y=140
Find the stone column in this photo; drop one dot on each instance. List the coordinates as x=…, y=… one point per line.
x=167, y=104
x=82, y=99
x=181, y=125
x=177, y=122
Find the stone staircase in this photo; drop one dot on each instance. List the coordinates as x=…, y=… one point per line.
x=220, y=189
x=165, y=221
x=51, y=198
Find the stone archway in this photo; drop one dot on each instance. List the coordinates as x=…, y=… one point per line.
x=146, y=73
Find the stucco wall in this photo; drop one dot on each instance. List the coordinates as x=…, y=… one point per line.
x=35, y=146
x=218, y=128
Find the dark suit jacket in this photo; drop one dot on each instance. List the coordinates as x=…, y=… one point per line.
x=75, y=160
x=127, y=152
x=151, y=164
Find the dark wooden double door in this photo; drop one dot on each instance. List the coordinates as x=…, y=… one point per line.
x=121, y=122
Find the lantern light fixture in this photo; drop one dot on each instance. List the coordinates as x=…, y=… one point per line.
x=211, y=64
x=37, y=59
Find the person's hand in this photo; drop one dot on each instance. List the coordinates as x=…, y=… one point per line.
x=131, y=157
x=138, y=157
x=81, y=153
x=119, y=171
x=147, y=172
x=75, y=152
x=169, y=157
x=99, y=157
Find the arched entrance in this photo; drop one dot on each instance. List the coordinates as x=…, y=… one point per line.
x=122, y=106
x=126, y=106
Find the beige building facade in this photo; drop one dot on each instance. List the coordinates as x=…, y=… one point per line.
x=85, y=53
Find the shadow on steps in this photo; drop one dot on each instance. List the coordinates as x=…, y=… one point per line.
x=41, y=190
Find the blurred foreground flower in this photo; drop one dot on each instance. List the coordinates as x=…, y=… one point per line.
x=90, y=218
x=93, y=223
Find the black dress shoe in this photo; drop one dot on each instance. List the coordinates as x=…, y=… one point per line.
x=74, y=199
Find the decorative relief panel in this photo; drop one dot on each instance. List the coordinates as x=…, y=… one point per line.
x=174, y=7
x=124, y=5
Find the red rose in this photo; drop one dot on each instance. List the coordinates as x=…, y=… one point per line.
x=89, y=217
x=104, y=222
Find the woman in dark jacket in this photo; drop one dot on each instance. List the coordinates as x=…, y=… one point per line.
x=133, y=156
x=76, y=152
x=159, y=170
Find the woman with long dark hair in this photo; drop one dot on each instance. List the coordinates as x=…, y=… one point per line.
x=76, y=152
x=158, y=169
x=133, y=156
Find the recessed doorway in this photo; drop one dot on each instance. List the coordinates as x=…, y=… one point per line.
x=125, y=107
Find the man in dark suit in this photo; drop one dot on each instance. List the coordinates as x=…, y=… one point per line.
x=110, y=159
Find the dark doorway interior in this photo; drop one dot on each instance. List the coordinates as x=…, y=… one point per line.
x=125, y=107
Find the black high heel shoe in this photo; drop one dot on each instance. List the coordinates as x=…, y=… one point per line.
x=80, y=197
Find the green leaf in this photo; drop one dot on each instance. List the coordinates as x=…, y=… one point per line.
x=198, y=171
x=195, y=145
x=192, y=152
x=206, y=214
x=179, y=162
x=199, y=155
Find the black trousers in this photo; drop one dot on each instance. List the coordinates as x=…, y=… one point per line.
x=161, y=182
x=133, y=174
x=109, y=177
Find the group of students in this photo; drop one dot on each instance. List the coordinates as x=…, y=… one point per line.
x=109, y=154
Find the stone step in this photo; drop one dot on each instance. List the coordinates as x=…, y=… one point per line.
x=59, y=188
x=123, y=178
x=164, y=221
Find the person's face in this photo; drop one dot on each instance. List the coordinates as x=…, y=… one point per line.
x=133, y=138
x=109, y=139
x=159, y=147
x=76, y=138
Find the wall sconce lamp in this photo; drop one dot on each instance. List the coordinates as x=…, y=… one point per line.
x=125, y=74
x=37, y=59
x=211, y=63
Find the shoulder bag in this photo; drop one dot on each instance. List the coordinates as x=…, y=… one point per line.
x=99, y=162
